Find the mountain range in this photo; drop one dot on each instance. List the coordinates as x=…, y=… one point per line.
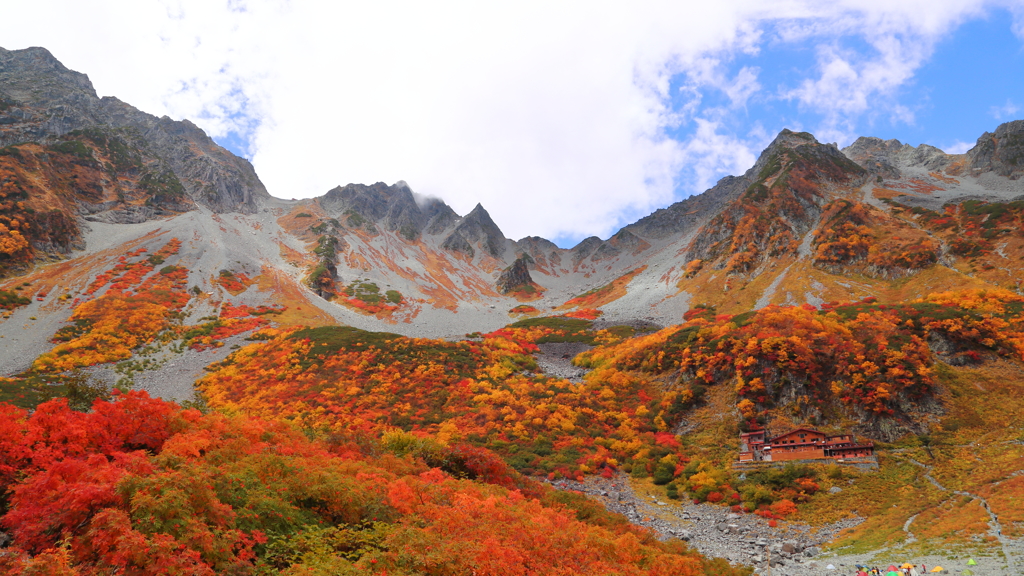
x=133, y=248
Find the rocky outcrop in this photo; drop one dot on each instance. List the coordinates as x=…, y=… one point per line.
x=515, y=277
x=885, y=158
x=622, y=241
x=43, y=100
x=477, y=228
x=584, y=249
x=875, y=155
x=1001, y=152
x=685, y=216
x=541, y=251
x=781, y=201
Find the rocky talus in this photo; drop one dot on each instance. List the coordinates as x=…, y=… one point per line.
x=715, y=531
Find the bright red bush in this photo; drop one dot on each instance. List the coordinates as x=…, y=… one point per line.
x=139, y=486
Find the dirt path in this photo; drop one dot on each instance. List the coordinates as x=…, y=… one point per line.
x=995, y=528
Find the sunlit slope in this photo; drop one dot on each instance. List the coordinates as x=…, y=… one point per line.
x=897, y=374
x=140, y=486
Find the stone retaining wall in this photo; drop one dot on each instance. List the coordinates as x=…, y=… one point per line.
x=865, y=464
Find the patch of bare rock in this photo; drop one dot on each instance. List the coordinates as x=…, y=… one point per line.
x=555, y=360
x=716, y=531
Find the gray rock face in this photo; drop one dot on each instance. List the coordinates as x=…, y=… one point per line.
x=541, y=251
x=796, y=152
x=392, y=207
x=1001, y=152
x=397, y=209
x=127, y=215
x=875, y=155
x=687, y=215
x=43, y=100
x=581, y=251
x=443, y=218
x=477, y=228
x=885, y=157
x=515, y=276
x=456, y=242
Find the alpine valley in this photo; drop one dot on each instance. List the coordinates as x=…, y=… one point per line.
x=198, y=377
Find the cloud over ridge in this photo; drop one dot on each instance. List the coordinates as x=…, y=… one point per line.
x=562, y=119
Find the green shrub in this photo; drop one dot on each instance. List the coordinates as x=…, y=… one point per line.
x=11, y=300
x=639, y=470
x=672, y=491
x=664, y=473
x=163, y=187
x=555, y=323
x=354, y=219
x=74, y=148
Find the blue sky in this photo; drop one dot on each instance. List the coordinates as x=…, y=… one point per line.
x=564, y=119
x=970, y=83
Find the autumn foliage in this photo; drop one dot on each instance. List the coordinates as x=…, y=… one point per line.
x=865, y=356
x=602, y=295
x=853, y=233
x=342, y=379
x=134, y=306
x=140, y=486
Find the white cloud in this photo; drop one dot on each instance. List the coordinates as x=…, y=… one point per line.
x=957, y=147
x=1006, y=111
x=853, y=84
x=556, y=116
x=709, y=154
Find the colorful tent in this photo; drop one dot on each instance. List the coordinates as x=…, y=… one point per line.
x=830, y=567
x=893, y=568
x=937, y=569
x=907, y=565
x=971, y=562
x=967, y=572
x=892, y=573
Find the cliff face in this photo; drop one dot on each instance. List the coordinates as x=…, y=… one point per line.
x=880, y=210
x=515, y=276
x=42, y=101
x=781, y=202
x=1001, y=152
x=477, y=228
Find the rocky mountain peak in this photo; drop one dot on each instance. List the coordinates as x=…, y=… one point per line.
x=585, y=248
x=477, y=227
x=516, y=276
x=44, y=101
x=886, y=158
x=875, y=155
x=33, y=76
x=540, y=250
x=1001, y=151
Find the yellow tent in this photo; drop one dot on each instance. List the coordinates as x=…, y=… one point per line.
x=937, y=569
x=907, y=565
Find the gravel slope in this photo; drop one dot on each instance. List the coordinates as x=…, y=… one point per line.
x=795, y=549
